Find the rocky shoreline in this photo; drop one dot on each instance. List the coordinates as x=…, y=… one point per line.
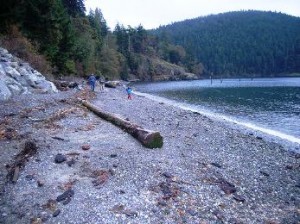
x=86, y=170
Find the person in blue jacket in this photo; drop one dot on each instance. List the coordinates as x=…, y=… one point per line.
x=129, y=92
x=92, y=82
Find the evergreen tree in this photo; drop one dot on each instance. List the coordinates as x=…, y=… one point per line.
x=74, y=7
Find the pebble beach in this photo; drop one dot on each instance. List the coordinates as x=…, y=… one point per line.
x=86, y=170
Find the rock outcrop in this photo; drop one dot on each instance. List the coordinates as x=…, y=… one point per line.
x=17, y=77
x=155, y=69
x=164, y=71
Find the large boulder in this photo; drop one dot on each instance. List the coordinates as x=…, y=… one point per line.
x=17, y=77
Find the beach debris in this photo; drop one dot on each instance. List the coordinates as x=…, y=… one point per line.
x=227, y=187
x=100, y=177
x=60, y=158
x=58, y=138
x=8, y=133
x=169, y=191
x=20, y=160
x=120, y=209
x=148, y=138
x=51, y=205
x=112, y=84
x=58, y=115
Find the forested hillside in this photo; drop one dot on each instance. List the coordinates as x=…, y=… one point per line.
x=55, y=36
x=59, y=37
x=240, y=43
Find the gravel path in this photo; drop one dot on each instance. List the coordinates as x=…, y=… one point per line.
x=206, y=171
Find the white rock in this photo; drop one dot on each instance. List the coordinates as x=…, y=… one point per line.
x=5, y=93
x=19, y=78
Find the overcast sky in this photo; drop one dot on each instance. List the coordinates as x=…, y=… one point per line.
x=152, y=13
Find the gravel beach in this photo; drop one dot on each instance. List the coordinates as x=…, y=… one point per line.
x=60, y=163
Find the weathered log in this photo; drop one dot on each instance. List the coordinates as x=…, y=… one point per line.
x=16, y=174
x=150, y=139
x=110, y=84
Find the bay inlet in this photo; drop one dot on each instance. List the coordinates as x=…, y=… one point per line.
x=267, y=105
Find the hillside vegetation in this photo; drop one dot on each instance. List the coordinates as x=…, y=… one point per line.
x=59, y=37
x=244, y=43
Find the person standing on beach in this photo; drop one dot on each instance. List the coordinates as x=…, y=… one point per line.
x=129, y=92
x=92, y=82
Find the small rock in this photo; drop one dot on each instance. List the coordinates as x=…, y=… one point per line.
x=235, y=221
x=219, y=214
x=167, y=175
x=40, y=183
x=113, y=155
x=239, y=198
x=112, y=172
x=216, y=165
x=130, y=213
x=67, y=201
x=56, y=213
x=71, y=162
x=29, y=177
x=36, y=221
x=86, y=147
x=264, y=173
x=289, y=167
x=192, y=212
x=59, y=158
x=162, y=203
x=67, y=194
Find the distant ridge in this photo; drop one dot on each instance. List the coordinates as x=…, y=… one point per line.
x=240, y=43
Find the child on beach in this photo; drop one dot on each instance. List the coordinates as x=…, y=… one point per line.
x=129, y=92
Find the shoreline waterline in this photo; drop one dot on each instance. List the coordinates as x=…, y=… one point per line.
x=221, y=117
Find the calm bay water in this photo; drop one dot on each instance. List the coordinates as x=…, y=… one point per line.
x=271, y=105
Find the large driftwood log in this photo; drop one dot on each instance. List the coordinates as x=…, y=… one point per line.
x=150, y=139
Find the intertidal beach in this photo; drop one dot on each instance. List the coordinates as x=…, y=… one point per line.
x=206, y=172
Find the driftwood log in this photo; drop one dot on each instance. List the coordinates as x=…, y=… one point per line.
x=150, y=139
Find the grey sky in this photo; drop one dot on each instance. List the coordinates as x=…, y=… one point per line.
x=152, y=13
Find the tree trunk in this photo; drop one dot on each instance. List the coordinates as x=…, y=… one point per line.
x=150, y=139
